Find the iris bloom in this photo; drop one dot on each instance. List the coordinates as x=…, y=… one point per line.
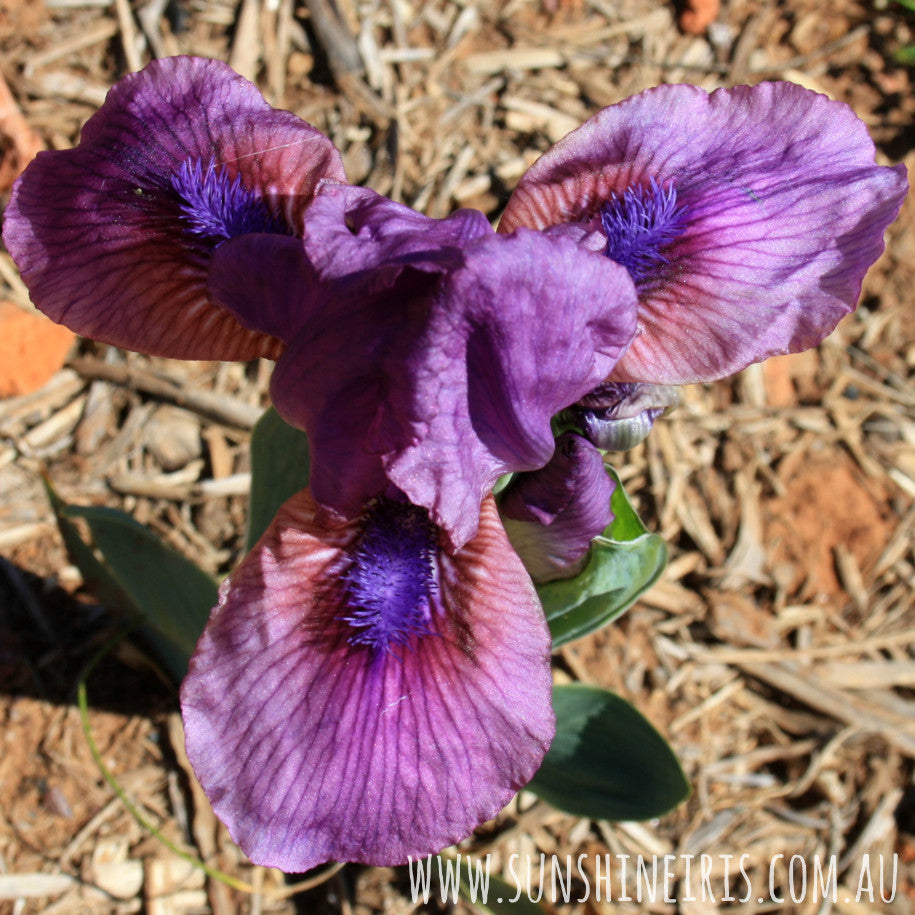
x=747, y=219
x=375, y=680
x=114, y=238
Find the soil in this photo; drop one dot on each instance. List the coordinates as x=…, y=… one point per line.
x=777, y=654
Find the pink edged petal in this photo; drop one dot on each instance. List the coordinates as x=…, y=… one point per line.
x=784, y=212
x=312, y=748
x=101, y=234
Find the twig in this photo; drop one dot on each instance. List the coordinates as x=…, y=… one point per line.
x=246, y=46
x=344, y=60
x=131, y=38
x=334, y=35
x=804, y=60
x=149, y=16
x=839, y=704
x=800, y=62
x=104, y=31
x=222, y=409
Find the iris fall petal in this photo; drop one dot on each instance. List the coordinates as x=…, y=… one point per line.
x=313, y=748
x=113, y=238
x=758, y=211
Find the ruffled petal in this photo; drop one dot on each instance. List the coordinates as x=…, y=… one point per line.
x=551, y=515
x=783, y=211
x=438, y=379
x=114, y=237
x=363, y=241
x=312, y=748
x=534, y=336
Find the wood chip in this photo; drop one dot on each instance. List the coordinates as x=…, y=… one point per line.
x=489, y=62
x=813, y=691
x=34, y=886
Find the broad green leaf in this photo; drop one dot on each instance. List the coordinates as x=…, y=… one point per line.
x=140, y=579
x=97, y=578
x=623, y=563
x=172, y=594
x=607, y=762
x=279, y=469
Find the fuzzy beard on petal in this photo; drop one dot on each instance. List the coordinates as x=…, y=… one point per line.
x=361, y=694
x=747, y=218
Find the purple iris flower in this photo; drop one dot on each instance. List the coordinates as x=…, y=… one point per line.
x=375, y=681
x=427, y=354
x=114, y=238
x=747, y=219
x=551, y=515
x=362, y=692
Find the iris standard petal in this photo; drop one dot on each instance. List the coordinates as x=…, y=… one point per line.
x=534, y=335
x=440, y=378
x=551, y=515
x=114, y=237
x=313, y=746
x=748, y=216
x=362, y=241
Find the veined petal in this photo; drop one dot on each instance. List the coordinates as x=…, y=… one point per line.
x=314, y=747
x=534, y=336
x=761, y=209
x=551, y=515
x=113, y=238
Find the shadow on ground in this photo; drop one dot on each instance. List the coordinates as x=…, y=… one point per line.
x=48, y=638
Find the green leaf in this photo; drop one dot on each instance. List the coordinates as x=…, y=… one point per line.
x=98, y=579
x=279, y=469
x=626, y=524
x=607, y=762
x=624, y=561
x=172, y=594
x=140, y=579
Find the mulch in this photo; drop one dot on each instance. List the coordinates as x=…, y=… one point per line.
x=777, y=654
